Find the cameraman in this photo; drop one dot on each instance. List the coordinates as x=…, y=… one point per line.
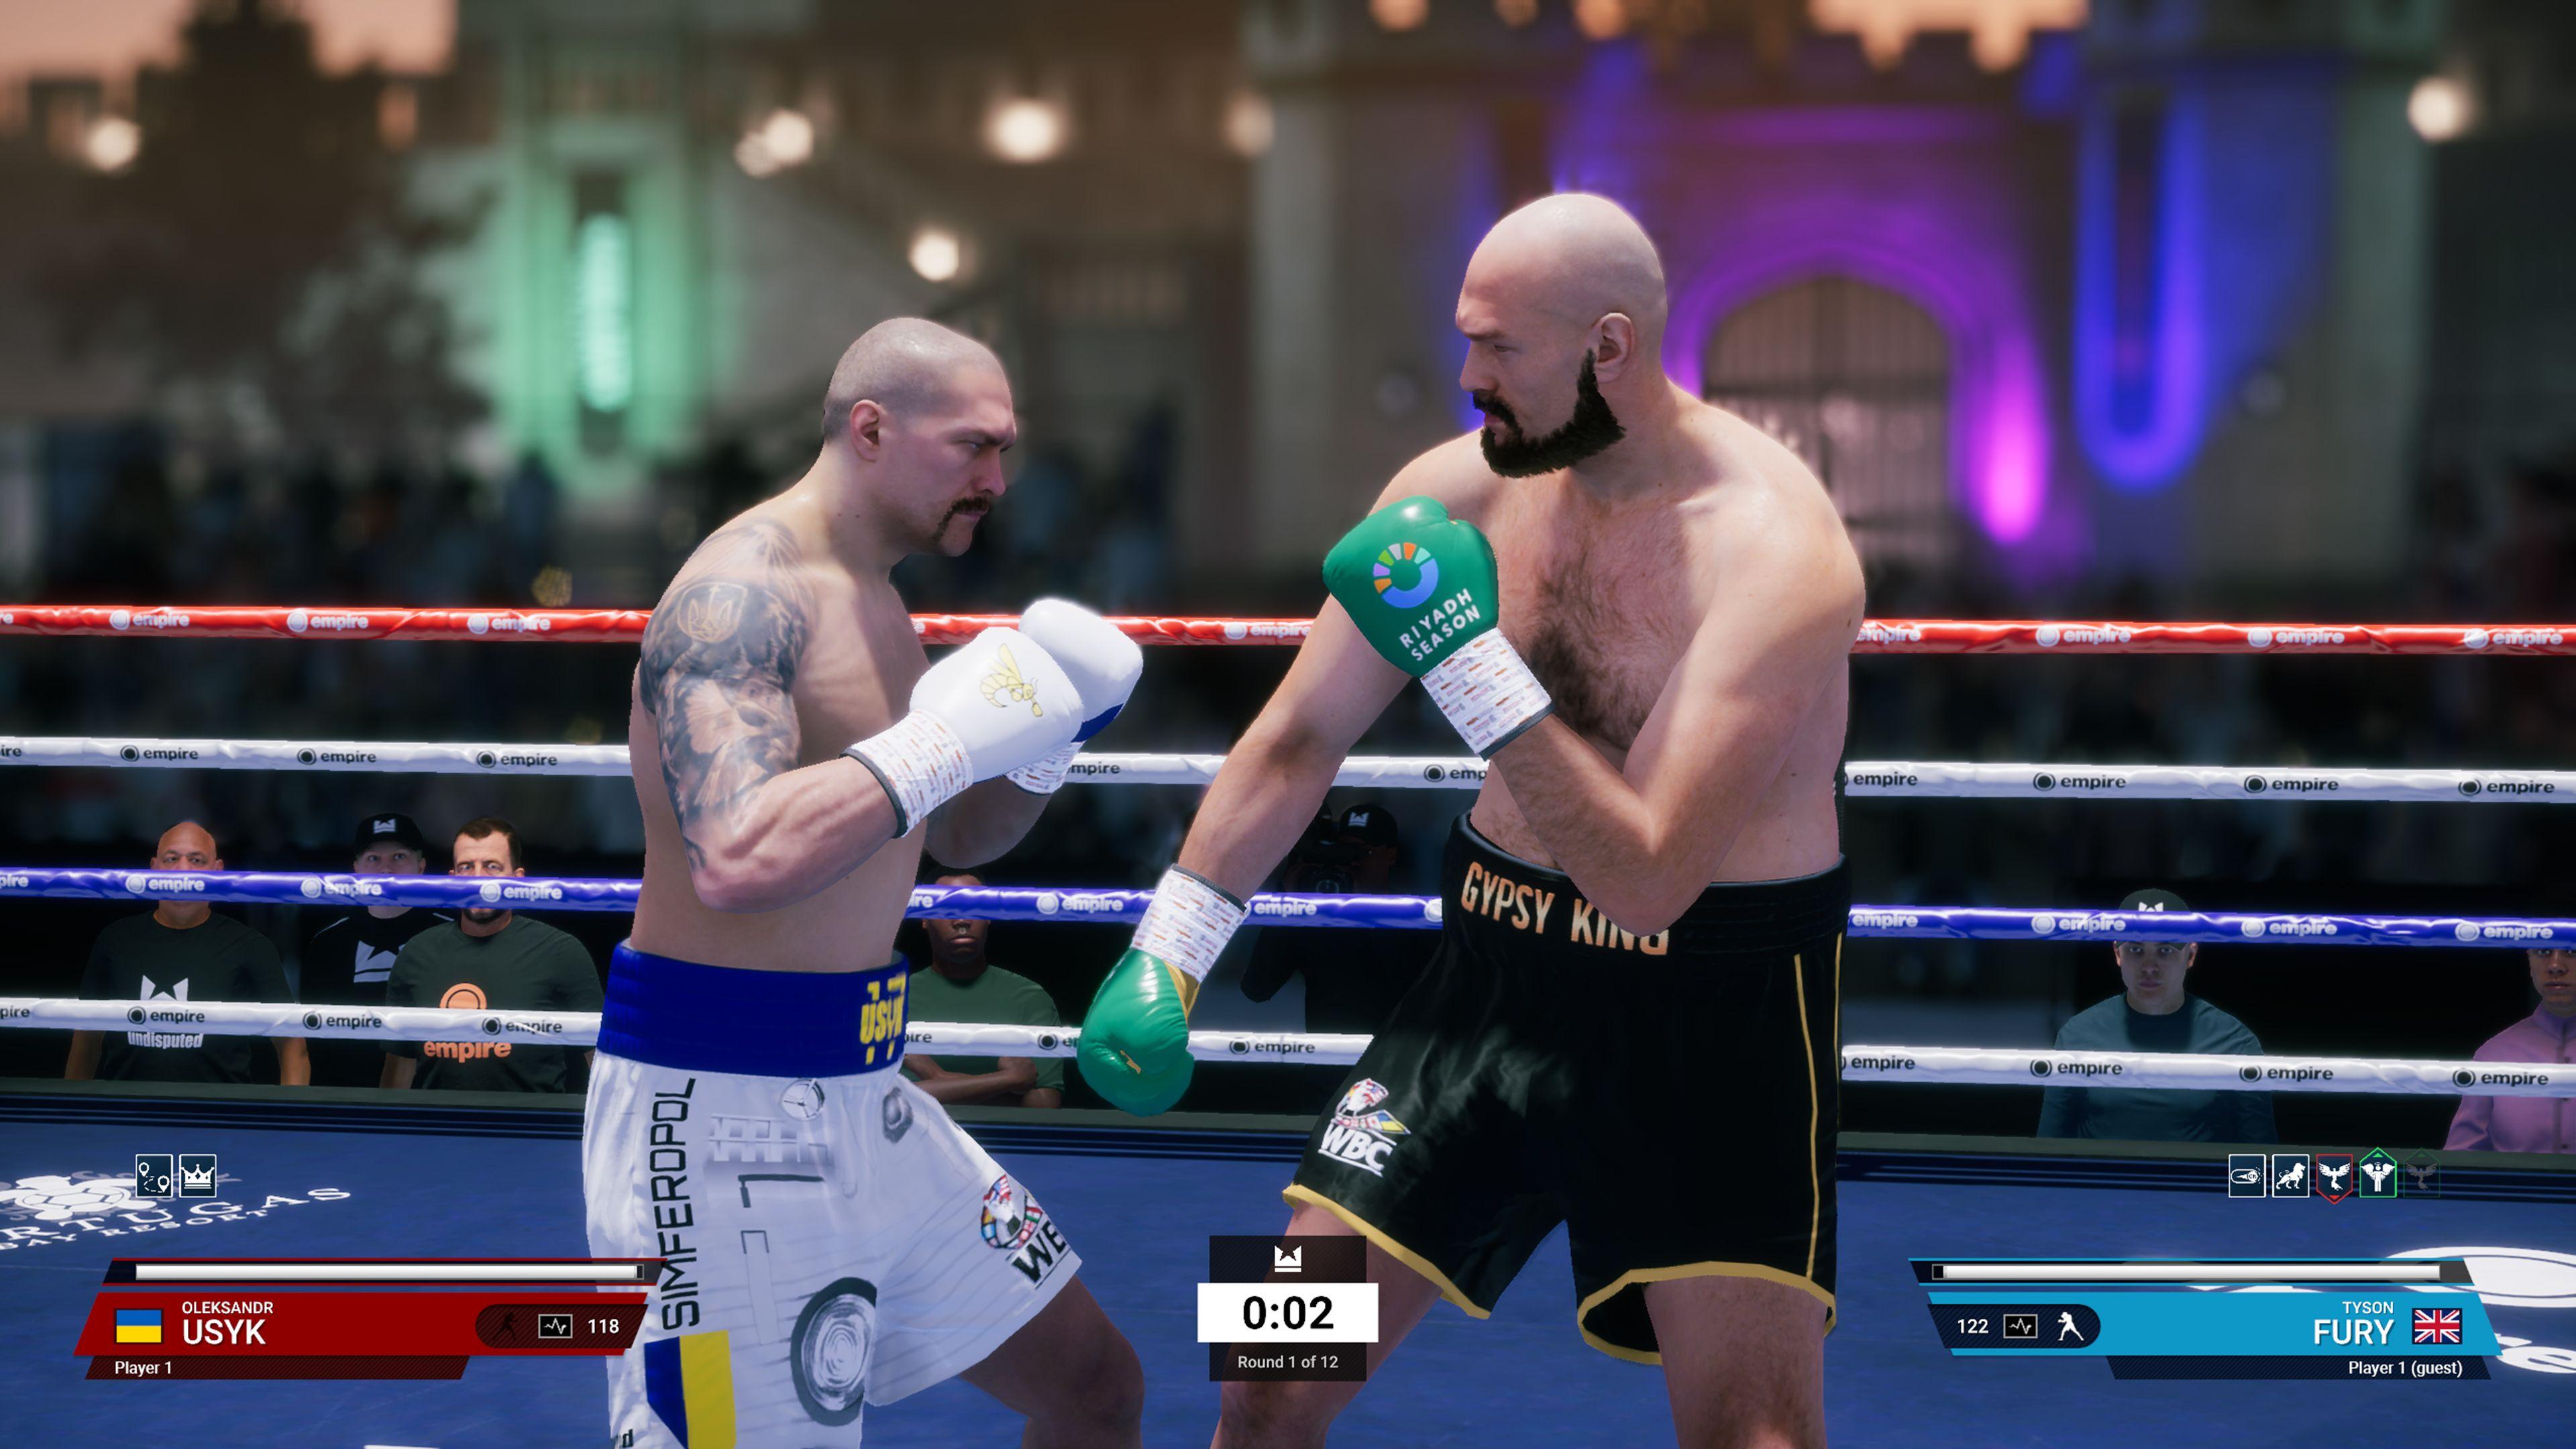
x=1353, y=978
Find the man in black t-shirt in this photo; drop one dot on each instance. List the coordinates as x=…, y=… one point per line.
x=489, y=959
x=181, y=952
x=349, y=960
x=1353, y=978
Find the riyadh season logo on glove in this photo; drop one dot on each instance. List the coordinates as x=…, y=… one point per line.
x=1427, y=578
x=1005, y=687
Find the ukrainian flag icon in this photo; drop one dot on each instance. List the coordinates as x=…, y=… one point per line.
x=138, y=1325
x=689, y=1382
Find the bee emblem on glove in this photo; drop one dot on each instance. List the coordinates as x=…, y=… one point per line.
x=1005, y=687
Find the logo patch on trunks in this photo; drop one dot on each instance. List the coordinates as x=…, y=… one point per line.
x=1015, y=1224
x=1362, y=1133
x=803, y=1098
x=766, y=1140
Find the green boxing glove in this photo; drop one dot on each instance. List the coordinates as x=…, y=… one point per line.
x=1422, y=588
x=1135, y=1047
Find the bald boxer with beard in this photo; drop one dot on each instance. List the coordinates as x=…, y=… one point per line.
x=832, y=1239
x=1639, y=607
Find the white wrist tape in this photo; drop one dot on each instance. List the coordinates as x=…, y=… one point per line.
x=1045, y=777
x=1487, y=692
x=922, y=763
x=1188, y=924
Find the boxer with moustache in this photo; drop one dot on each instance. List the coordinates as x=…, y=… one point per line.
x=1639, y=607
x=832, y=1238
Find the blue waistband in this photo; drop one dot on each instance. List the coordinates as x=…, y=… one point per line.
x=679, y=1014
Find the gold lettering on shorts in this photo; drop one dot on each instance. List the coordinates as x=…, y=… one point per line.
x=1467, y=887
x=1546, y=899
x=1590, y=927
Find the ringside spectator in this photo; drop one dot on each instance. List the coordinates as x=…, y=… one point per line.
x=489, y=958
x=2155, y=1014
x=181, y=951
x=960, y=983
x=2527, y=1124
x=348, y=961
x=1353, y=978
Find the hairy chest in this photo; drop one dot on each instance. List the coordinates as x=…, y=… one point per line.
x=1601, y=613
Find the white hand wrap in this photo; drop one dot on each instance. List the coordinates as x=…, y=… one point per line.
x=1188, y=924
x=1047, y=775
x=922, y=763
x=1487, y=692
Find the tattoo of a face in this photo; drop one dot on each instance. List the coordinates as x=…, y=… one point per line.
x=720, y=658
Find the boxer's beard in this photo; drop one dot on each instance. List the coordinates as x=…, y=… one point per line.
x=1591, y=429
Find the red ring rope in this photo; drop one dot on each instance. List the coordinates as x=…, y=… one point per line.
x=1878, y=636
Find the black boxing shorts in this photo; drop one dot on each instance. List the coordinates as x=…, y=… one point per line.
x=1671, y=1099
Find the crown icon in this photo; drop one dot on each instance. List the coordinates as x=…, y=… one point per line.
x=197, y=1176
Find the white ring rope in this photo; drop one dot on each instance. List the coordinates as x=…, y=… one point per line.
x=1893, y=779
x=2004, y=1066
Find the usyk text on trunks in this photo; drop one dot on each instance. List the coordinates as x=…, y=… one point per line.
x=1440, y=621
x=666, y=1164
x=1525, y=907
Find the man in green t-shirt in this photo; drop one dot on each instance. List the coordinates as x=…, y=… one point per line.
x=489, y=958
x=959, y=984
x=178, y=953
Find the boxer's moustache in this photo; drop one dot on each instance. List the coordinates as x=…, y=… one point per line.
x=1495, y=408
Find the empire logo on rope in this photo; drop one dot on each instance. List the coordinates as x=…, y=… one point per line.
x=2291, y=784
x=299, y=620
x=2493, y=785
x=2052, y=635
x=174, y=884
x=2079, y=782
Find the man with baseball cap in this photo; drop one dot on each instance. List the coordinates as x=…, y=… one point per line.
x=1353, y=979
x=2155, y=1014
x=347, y=961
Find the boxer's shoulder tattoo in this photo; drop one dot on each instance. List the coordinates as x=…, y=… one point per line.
x=719, y=661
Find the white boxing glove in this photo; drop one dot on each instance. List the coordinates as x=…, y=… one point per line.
x=1104, y=665
x=997, y=703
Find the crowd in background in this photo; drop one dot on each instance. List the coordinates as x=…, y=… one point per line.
x=174, y=530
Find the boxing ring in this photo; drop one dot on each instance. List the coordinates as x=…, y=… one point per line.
x=319, y=1172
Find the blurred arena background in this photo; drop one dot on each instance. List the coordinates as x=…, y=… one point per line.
x=2141, y=309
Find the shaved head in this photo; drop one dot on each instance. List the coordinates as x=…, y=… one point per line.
x=1577, y=258
x=186, y=838
x=904, y=365
x=1563, y=311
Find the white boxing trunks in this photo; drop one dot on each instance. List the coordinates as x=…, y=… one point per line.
x=832, y=1239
